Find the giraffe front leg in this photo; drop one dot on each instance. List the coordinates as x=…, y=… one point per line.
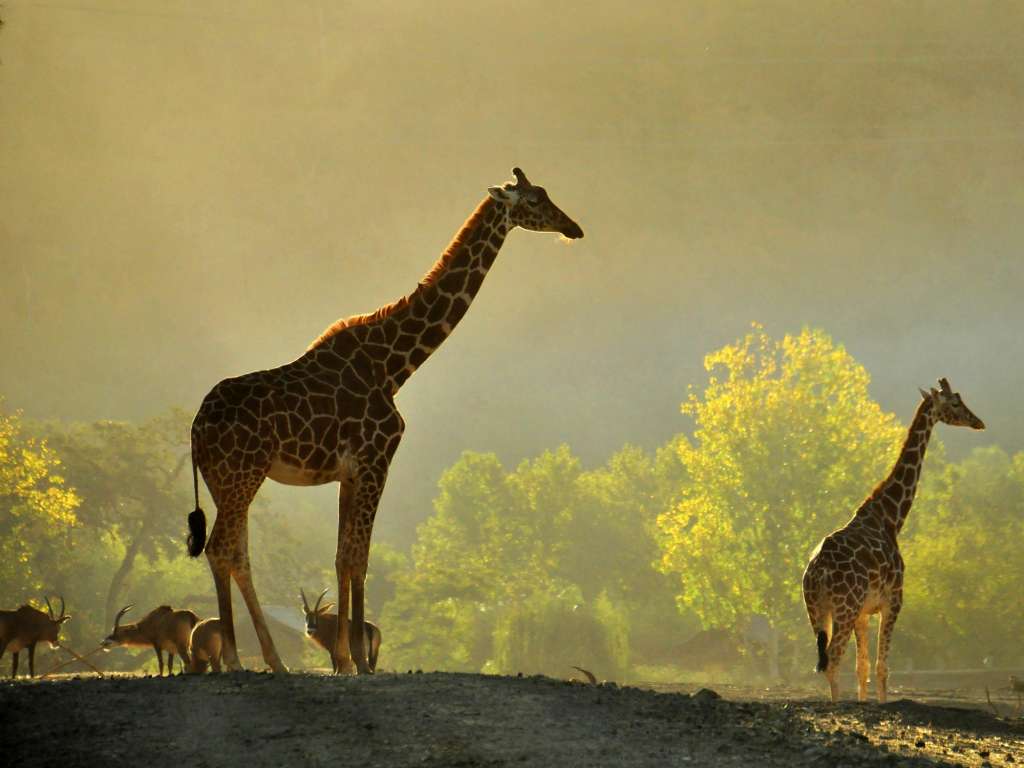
x=860, y=630
x=341, y=657
x=357, y=630
x=886, y=622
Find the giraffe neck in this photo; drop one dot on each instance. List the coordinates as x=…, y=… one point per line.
x=895, y=495
x=422, y=321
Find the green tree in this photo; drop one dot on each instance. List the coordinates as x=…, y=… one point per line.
x=134, y=485
x=787, y=443
x=513, y=551
x=37, y=511
x=964, y=568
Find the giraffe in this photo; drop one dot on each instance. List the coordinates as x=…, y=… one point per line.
x=330, y=416
x=857, y=571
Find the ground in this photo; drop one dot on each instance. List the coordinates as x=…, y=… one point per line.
x=444, y=719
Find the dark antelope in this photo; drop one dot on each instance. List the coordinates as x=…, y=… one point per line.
x=25, y=627
x=162, y=629
x=322, y=627
x=204, y=646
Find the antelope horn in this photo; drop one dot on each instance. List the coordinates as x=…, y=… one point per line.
x=944, y=384
x=121, y=613
x=316, y=608
x=588, y=673
x=521, y=180
x=62, y=614
x=305, y=603
x=49, y=608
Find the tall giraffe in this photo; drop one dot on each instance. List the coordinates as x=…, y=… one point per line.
x=330, y=416
x=857, y=571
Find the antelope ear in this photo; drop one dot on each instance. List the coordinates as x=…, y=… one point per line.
x=326, y=608
x=65, y=618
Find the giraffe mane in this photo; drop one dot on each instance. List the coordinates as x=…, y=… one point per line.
x=432, y=276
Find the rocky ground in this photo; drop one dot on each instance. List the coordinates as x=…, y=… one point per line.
x=442, y=719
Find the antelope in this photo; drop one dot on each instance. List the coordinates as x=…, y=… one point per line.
x=322, y=627
x=204, y=646
x=163, y=628
x=25, y=627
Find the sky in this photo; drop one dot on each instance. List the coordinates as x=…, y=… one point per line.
x=193, y=190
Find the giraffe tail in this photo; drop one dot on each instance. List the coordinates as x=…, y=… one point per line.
x=822, y=654
x=196, y=518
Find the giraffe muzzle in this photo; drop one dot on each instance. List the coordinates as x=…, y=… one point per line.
x=572, y=231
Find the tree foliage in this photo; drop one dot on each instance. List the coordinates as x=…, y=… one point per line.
x=787, y=442
x=964, y=605
x=512, y=561
x=37, y=509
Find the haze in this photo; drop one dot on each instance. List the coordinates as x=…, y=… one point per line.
x=189, y=191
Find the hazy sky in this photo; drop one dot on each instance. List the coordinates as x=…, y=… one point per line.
x=192, y=190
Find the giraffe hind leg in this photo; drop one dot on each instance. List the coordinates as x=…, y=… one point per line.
x=243, y=578
x=219, y=554
x=842, y=628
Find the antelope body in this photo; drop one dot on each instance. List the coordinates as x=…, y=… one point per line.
x=322, y=628
x=205, y=645
x=26, y=626
x=162, y=629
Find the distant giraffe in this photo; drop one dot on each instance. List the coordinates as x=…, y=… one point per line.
x=858, y=571
x=330, y=416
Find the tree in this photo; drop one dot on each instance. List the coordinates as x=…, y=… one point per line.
x=132, y=480
x=964, y=566
x=510, y=561
x=787, y=443
x=37, y=510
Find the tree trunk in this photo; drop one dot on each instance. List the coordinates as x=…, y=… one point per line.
x=117, y=582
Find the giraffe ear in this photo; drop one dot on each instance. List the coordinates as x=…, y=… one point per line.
x=924, y=395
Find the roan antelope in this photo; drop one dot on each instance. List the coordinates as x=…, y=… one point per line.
x=205, y=645
x=322, y=627
x=25, y=627
x=163, y=629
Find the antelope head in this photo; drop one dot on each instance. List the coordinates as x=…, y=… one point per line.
x=51, y=632
x=119, y=633
x=312, y=614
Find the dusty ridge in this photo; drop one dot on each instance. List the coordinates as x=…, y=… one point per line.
x=443, y=719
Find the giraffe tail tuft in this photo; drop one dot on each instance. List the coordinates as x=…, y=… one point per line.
x=197, y=532
x=822, y=655
x=196, y=518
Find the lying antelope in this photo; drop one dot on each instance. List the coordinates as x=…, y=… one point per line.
x=204, y=646
x=163, y=629
x=25, y=627
x=322, y=627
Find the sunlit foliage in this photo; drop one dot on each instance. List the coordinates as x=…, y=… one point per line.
x=37, y=508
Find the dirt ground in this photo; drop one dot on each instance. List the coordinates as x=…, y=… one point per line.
x=444, y=719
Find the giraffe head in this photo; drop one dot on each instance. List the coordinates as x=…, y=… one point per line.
x=530, y=207
x=950, y=407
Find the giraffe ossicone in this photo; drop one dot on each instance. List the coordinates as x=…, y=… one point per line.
x=857, y=571
x=330, y=416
